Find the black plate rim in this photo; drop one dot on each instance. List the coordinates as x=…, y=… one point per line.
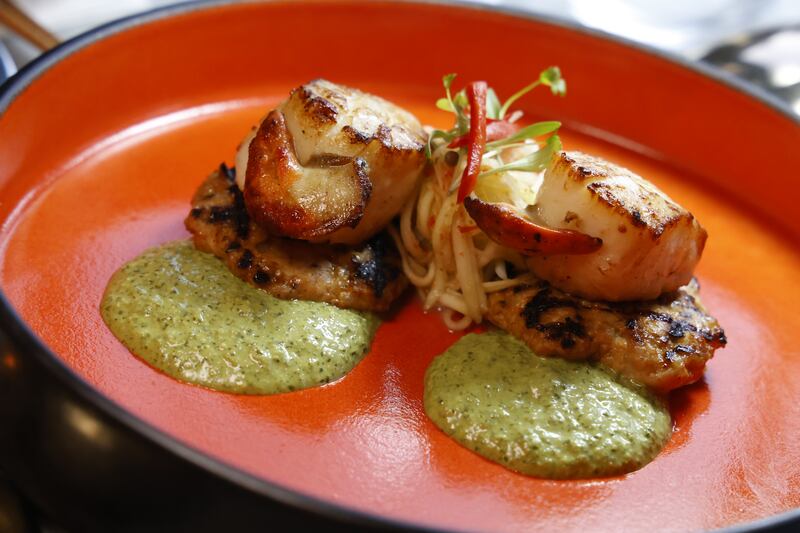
x=21, y=334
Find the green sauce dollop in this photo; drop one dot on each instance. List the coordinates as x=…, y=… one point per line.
x=544, y=417
x=183, y=312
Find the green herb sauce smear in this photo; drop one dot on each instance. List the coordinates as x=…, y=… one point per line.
x=183, y=312
x=544, y=417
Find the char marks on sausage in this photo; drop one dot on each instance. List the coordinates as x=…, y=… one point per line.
x=366, y=276
x=663, y=343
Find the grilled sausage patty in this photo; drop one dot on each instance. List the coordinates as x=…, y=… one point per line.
x=366, y=277
x=663, y=343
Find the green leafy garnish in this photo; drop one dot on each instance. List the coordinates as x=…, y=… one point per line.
x=437, y=134
x=550, y=77
x=445, y=105
x=458, y=104
x=447, y=81
x=535, y=162
x=528, y=132
x=454, y=103
x=492, y=104
x=462, y=119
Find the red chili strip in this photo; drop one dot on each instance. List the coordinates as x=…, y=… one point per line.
x=476, y=138
x=495, y=130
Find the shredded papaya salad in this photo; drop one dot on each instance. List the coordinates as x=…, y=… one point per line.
x=483, y=177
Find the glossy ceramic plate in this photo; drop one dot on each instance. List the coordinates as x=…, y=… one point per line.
x=103, y=142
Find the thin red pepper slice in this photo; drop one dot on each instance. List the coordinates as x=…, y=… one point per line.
x=495, y=130
x=476, y=138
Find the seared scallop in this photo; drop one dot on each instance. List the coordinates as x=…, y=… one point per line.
x=650, y=244
x=331, y=164
x=366, y=277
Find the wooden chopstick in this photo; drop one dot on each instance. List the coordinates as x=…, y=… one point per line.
x=25, y=27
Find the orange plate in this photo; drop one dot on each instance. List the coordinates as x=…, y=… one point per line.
x=100, y=155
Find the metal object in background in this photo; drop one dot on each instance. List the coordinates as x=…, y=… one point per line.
x=7, y=66
x=687, y=27
x=20, y=23
x=66, y=19
x=769, y=59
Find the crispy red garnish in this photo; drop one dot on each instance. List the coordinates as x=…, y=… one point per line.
x=476, y=95
x=495, y=130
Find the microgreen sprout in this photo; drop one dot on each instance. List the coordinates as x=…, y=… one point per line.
x=492, y=105
x=446, y=104
x=447, y=136
x=535, y=162
x=498, y=132
x=528, y=132
x=550, y=77
x=457, y=104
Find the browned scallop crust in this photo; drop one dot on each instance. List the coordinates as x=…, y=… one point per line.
x=633, y=200
x=664, y=344
x=274, y=199
x=320, y=104
x=507, y=227
x=366, y=277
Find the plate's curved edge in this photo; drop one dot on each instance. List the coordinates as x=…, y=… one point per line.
x=23, y=335
x=14, y=85
x=788, y=521
x=709, y=71
x=17, y=83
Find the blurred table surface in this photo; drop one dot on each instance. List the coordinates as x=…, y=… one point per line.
x=687, y=27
